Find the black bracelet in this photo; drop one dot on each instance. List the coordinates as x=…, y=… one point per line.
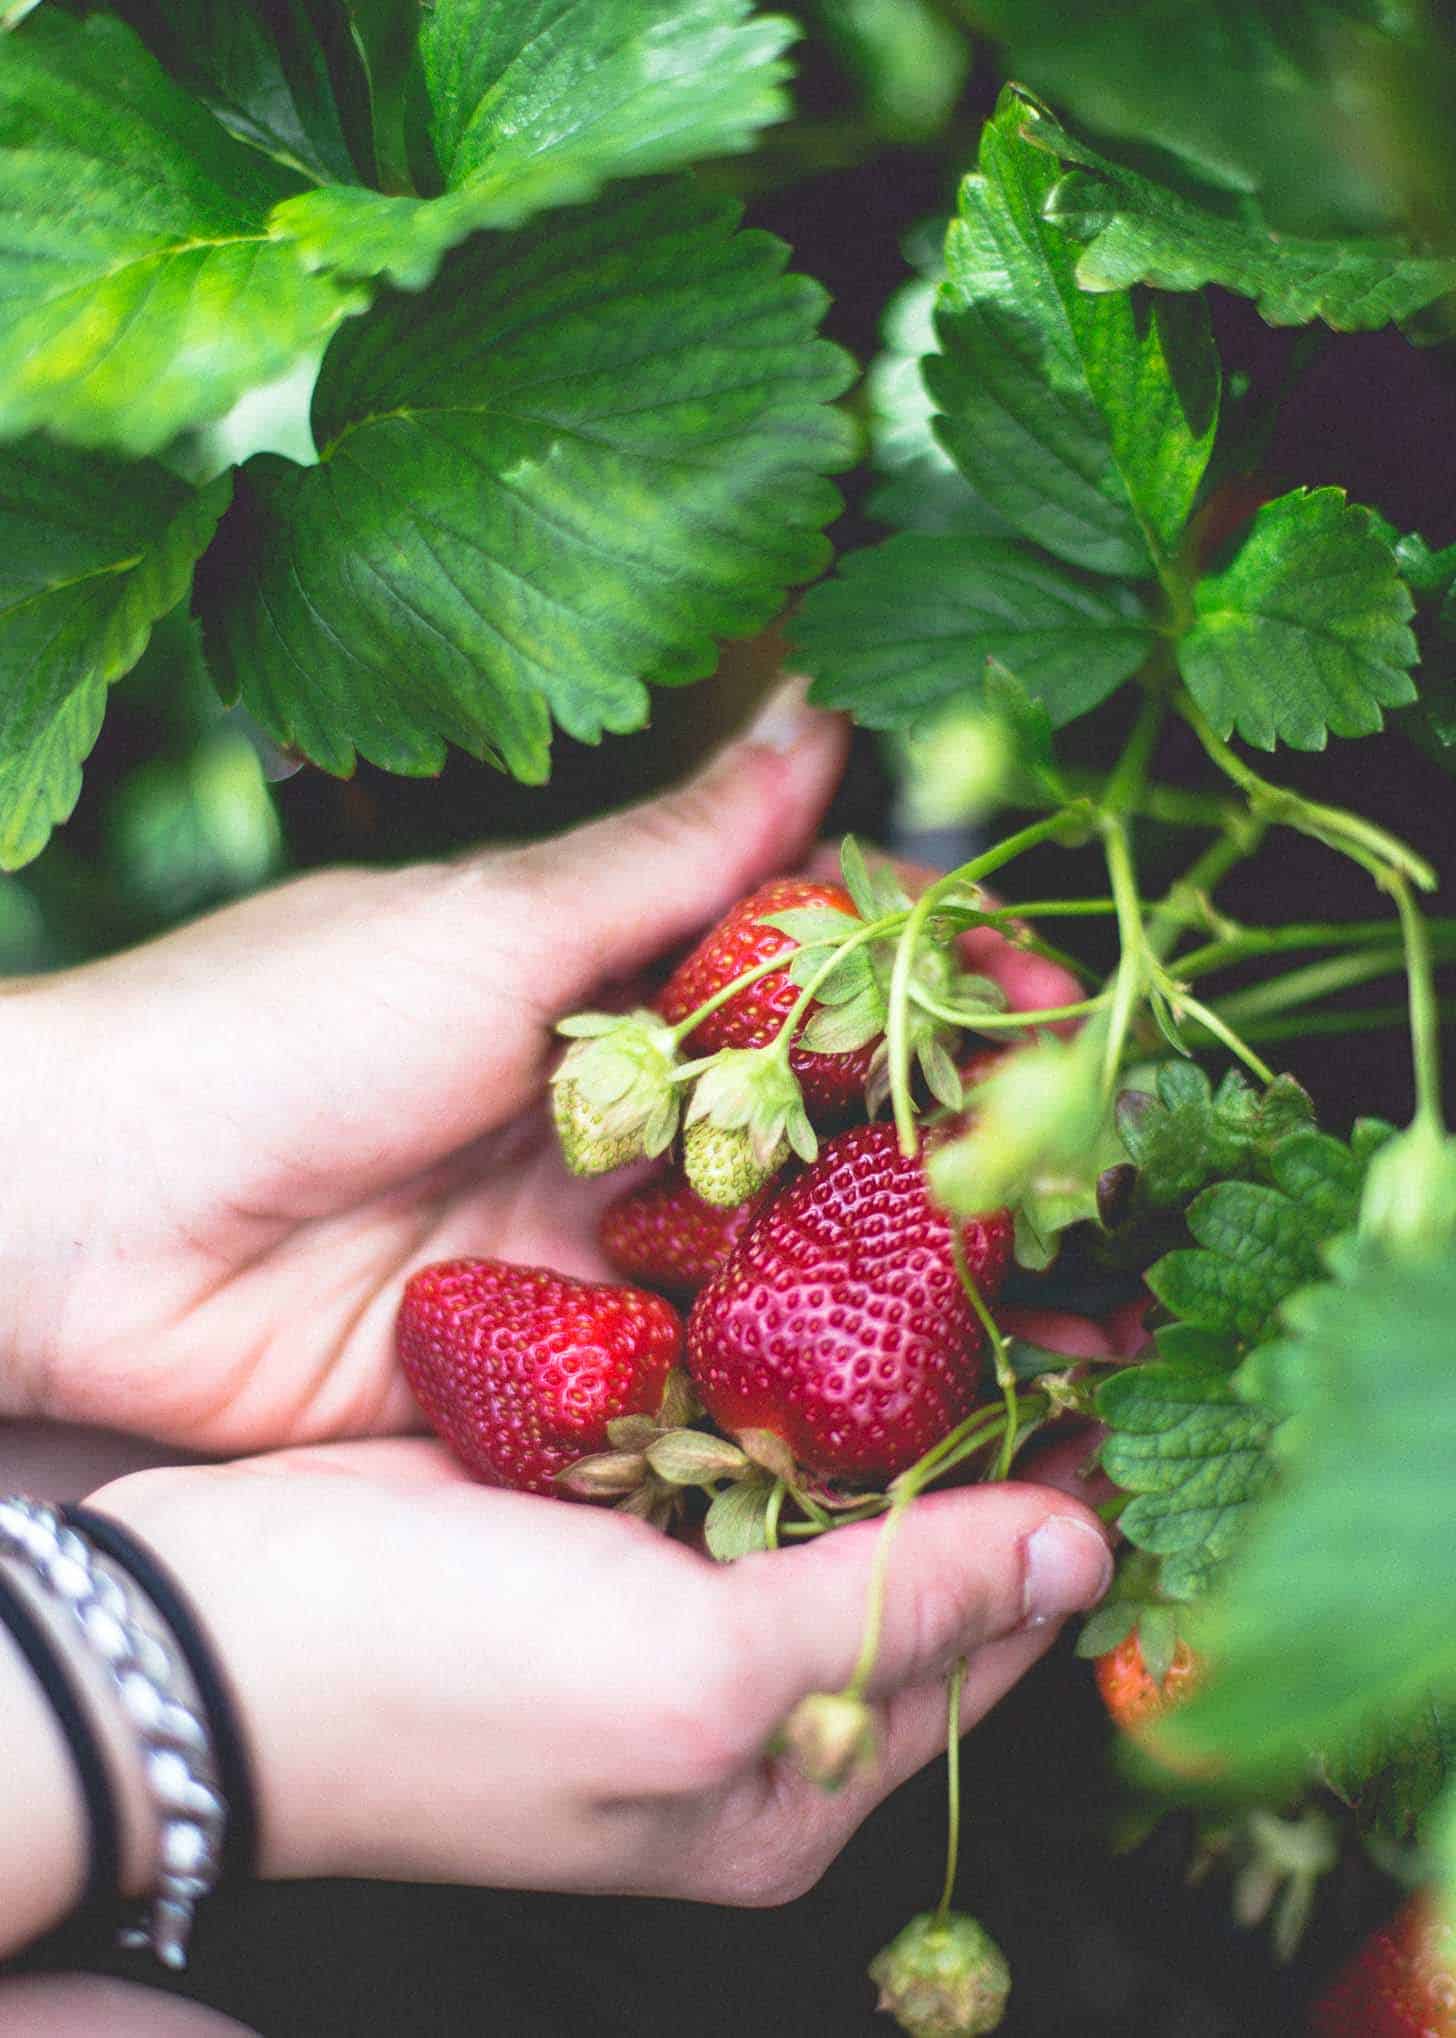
x=101, y=1894
x=234, y=1765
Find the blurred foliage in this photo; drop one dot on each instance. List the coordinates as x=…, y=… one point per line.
x=1330, y=114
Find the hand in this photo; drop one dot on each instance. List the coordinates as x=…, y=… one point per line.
x=448, y=1682
x=226, y=1150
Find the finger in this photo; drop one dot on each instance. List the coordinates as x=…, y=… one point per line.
x=964, y=1569
x=776, y=1833
x=349, y=1029
x=1057, y=1330
x=631, y=886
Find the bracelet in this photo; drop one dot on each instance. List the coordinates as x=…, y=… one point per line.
x=103, y=1871
x=174, y=1742
x=239, y=1860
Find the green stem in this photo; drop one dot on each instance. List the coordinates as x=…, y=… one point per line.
x=1050, y=909
x=1000, y=1022
x=1005, y=1377
x=1124, y=788
x=1374, y=849
x=1211, y=1022
x=771, y=1514
x=1247, y=943
x=869, y=1647
x=1316, y=980
x=709, y=1006
x=1131, y=977
x=875, y=930
x=1324, y=1025
x=897, y=1023
x=954, y=1686
x=1192, y=895
x=1424, y=1024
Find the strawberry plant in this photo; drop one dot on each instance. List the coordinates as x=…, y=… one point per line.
x=393, y=373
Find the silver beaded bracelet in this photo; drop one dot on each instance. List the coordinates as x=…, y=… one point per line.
x=121, y=1628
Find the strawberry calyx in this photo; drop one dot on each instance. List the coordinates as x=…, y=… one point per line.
x=944, y=1976
x=633, y=1474
x=746, y=1115
x=613, y=1097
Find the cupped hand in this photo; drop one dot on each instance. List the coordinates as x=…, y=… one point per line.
x=229, y=1148
x=447, y=1682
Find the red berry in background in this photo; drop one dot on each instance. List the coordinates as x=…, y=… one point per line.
x=520, y=1369
x=840, y=1322
x=1401, y=1982
x=831, y=1082
x=1131, y=1694
x=668, y=1237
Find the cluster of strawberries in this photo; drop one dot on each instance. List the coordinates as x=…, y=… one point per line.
x=832, y=1330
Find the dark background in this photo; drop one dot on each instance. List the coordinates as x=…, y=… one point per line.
x=1097, y=1944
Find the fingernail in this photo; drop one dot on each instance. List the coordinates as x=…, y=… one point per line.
x=783, y=719
x=1068, y=1567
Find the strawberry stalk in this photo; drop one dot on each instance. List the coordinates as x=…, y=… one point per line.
x=897, y=1025
x=954, y=1686
x=1005, y=1377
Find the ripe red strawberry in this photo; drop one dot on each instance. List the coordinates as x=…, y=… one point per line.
x=668, y=1237
x=1401, y=1982
x=520, y=1369
x=831, y=1082
x=1131, y=1694
x=840, y=1322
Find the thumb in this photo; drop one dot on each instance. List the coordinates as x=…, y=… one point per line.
x=965, y=1569
x=604, y=900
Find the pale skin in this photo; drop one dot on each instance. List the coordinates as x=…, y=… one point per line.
x=237, y=1143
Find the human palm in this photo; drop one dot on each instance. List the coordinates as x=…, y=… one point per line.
x=249, y=1133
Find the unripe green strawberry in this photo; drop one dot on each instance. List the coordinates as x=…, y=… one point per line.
x=943, y=1978
x=831, y=1737
x=587, y=1147
x=722, y=1165
x=613, y=1098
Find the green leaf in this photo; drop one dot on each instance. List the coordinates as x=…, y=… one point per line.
x=1341, y=1607
x=1431, y=577
x=92, y=553
x=1086, y=421
x=736, y=1522
x=908, y=60
x=139, y=291
x=1306, y=632
x=875, y=891
x=1258, y=1242
x=560, y=474
x=1194, y=1454
x=1135, y=230
x=841, y=1028
x=540, y=104
x=1185, y=1135
x=910, y=623
x=925, y=490
x=271, y=70
x=1289, y=98
x=810, y=924
x=1392, y=1772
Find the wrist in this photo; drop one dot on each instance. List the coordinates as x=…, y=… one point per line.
x=43, y=1830
x=256, y=1620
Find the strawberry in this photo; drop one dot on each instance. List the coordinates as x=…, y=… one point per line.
x=520, y=1369
x=1131, y=1694
x=840, y=1323
x=831, y=1083
x=1401, y=1982
x=669, y=1237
